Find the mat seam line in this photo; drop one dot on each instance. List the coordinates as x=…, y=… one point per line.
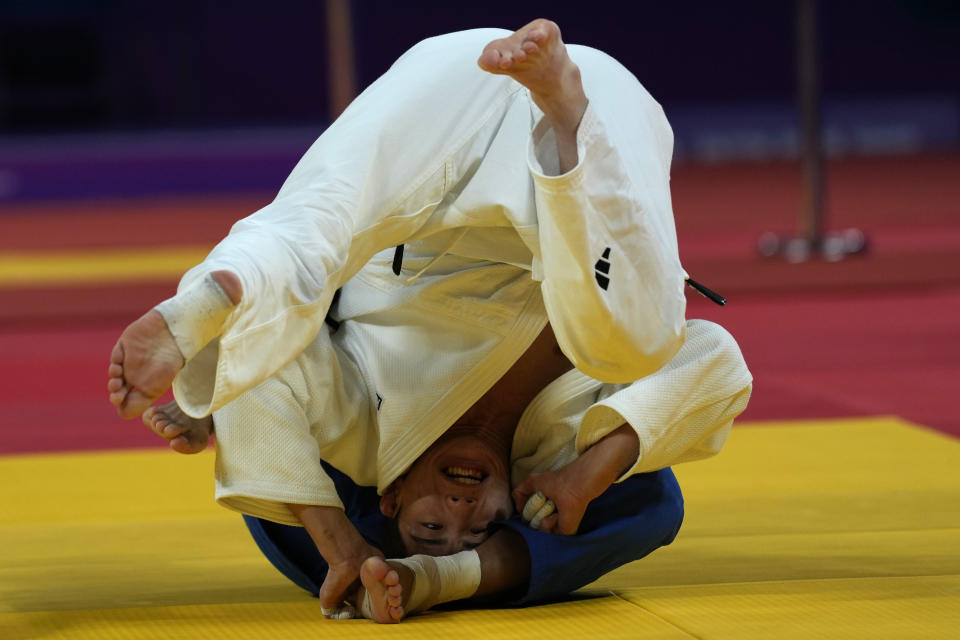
x=812, y=533
x=655, y=615
x=791, y=581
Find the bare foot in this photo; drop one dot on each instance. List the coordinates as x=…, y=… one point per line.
x=384, y=587
x=536, y=57
x=143, y=364
x=146, y=358
x=185, y=434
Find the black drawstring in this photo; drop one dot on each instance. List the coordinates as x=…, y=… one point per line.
x=330, y=320
x=398, y=259
x=707, y=293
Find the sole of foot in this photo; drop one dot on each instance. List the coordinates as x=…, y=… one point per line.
x=383, y=597
x=536, y=57
x=143, y=364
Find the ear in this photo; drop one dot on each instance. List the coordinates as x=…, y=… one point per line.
x=390, y=500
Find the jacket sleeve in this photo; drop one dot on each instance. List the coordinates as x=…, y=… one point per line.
x=612, y=279
x=368, y=183
x=683, y=411
x=267, y=455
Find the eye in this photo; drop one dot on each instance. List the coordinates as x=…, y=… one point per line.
x=478, y=532
x=433, y=526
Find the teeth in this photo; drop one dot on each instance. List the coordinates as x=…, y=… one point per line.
x=464, y=475
x=461, y=471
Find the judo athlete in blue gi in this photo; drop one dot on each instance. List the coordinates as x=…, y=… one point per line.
x=627, y=522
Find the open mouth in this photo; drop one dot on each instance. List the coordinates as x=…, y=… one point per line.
x=465, y=475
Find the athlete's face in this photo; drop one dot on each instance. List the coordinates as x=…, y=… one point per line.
x=447, y=500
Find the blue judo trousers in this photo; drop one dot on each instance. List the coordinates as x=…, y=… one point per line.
x=627, y=522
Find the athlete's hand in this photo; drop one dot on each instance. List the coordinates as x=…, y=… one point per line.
x=342, y=582
x=565, y=493
x=573, y=487
x=344, y=549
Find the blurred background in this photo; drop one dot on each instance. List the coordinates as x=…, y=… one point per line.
x=133, y=134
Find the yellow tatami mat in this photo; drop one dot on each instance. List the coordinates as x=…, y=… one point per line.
x=834, y=529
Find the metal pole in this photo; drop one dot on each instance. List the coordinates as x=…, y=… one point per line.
x=343, y=76
x=811, y=227
x=811, y=239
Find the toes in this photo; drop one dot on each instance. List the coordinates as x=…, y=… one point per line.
x=161, y=425
x=116, y=356
x=541, y=29
x=537, y=35
x=395, y=595
x=116, y=385
x=375, y=568
x=169, y=429
x=382, y=600
x=186, y=444
x=117, y=398
x=135, y=403
x=489, y=59
x=392, y=578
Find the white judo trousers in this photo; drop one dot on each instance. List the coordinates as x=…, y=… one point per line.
x=460, y=167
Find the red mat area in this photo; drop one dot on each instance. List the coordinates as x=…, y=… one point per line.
x=813, y=356
x=820, y=356
x=126, y=222
x=53, y=392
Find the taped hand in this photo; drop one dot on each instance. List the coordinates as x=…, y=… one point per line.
x=550, y=502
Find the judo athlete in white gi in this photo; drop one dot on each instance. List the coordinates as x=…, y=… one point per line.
x=521, y=195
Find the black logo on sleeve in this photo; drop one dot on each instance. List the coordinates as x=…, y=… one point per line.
x=602, y=269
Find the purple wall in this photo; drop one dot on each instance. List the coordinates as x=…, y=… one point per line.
x=66, y=64
x=97, y=97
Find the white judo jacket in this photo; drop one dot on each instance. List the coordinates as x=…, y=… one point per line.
x=460, y=167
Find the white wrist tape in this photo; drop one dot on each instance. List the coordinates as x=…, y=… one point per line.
x=195, y=316
x=436, y=580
